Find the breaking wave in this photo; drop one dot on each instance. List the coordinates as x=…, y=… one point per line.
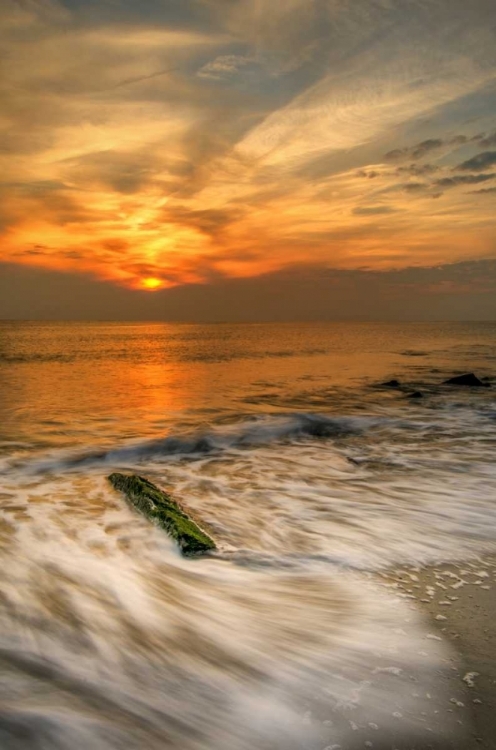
x=257, y=432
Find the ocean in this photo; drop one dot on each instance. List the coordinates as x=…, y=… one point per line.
x=314, y=478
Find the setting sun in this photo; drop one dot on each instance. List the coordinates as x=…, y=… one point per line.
x=151, y=284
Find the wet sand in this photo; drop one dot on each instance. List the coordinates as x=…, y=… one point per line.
x=459, y=604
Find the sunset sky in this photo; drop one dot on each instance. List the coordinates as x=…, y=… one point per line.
x=184, y=158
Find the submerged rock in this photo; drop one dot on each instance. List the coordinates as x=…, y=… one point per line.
x=468, y=379
x=392, y=384
x=415, y=394
x=160, y=508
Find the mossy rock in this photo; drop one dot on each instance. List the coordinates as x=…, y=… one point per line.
x=162, y=510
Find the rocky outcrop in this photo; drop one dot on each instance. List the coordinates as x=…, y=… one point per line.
x=162, y=510
x=468, y=380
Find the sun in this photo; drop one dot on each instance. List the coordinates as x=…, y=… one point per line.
x=151, y=283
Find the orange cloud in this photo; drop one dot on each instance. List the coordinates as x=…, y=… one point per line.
x=154, y=154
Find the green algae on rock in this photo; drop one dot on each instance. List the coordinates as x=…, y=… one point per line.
x=160, y=508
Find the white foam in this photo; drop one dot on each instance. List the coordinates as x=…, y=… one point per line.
x=136, y=645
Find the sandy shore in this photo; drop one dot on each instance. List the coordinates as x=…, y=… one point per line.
x=459, y=603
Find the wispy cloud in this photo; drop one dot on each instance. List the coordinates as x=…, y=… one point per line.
x=199, y=140
x=224, y=66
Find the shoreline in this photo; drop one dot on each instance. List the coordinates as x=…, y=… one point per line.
x=458, y=601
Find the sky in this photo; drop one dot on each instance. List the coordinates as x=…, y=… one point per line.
x=247, y=159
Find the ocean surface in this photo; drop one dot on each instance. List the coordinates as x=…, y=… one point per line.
x=313, y=479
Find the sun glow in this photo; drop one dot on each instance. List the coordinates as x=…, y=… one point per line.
x=151, y=284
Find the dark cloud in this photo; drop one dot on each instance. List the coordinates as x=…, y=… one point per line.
x=73, y=254
x=369, y=174
x=124, y=172
x=469, y=179
x=414, y=187
x=417, y=170
x=485, y=191
x=425, y=147
x=35, y=187
x=415, y=152
x=209, y=221
x=373, y=210
x=53, y=200
x=34, y=251
x=177, y=14
x=489, y=140
x=462, y=291
x=458, y=140
x=479, y=163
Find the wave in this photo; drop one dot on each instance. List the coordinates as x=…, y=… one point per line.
x=13, y=359
x=257, y=432
x=213, y=356
x=414, y=353
x=154, y=354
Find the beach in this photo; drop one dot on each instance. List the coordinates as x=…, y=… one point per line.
x=299, y=449
x=459, y=603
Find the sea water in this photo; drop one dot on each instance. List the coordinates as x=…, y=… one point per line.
x=311, y=475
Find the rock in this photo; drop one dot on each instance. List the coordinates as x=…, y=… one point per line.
x=469, y=379
x=392, y=384
x=162, y=510
x=415, y=394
